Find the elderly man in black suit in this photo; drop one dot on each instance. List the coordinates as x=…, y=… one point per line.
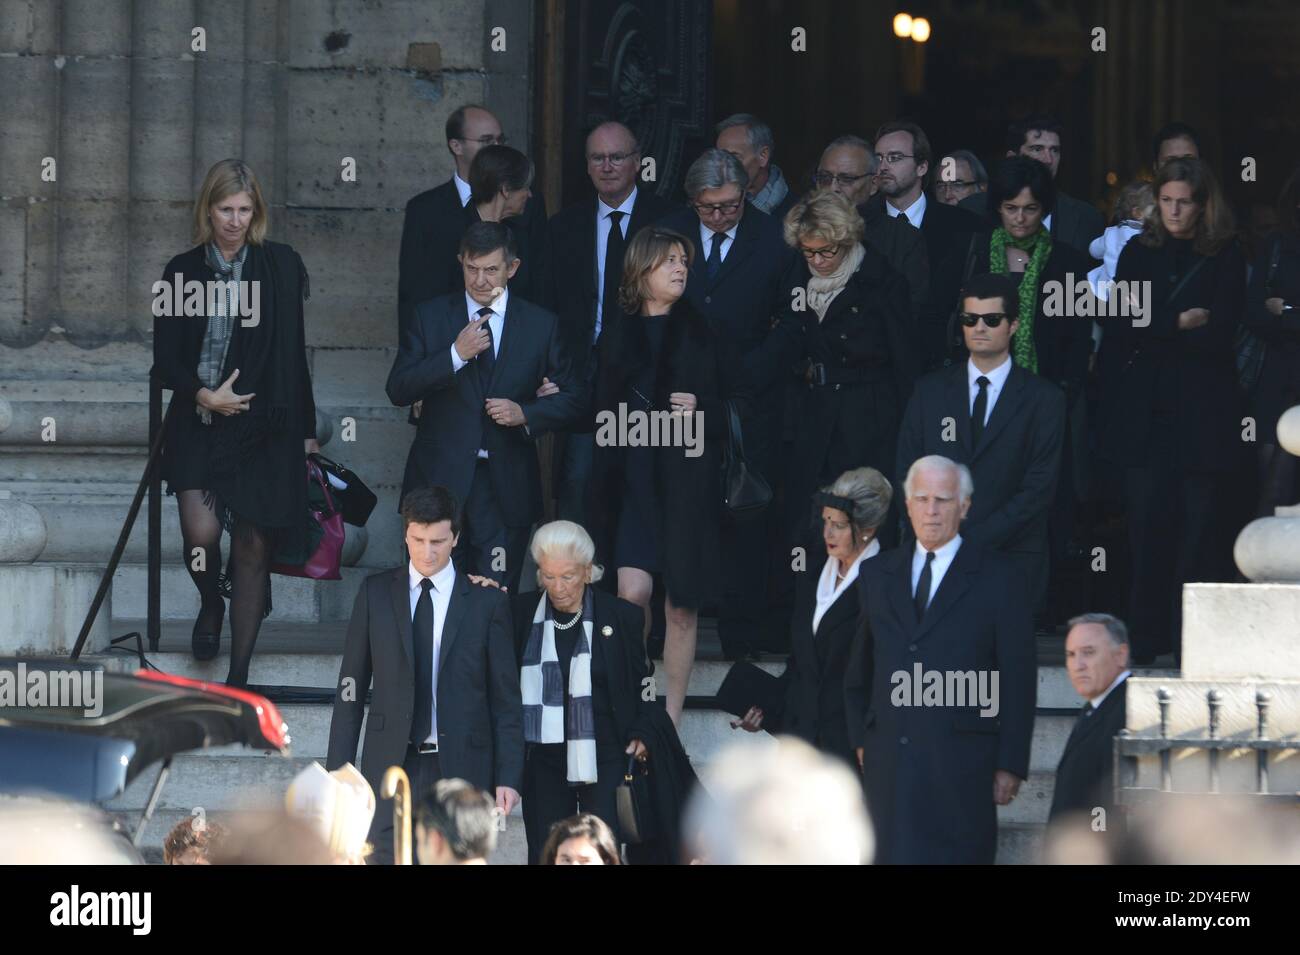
x=940, y=689
x=1096, y=658
x=904, y=155
x=594, y=234
x=477, y=360
x=740, y=281
x=1073, y=222
x=1002, y=421
x=446, y=700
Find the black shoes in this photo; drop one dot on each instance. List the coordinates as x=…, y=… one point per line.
x=205, y=641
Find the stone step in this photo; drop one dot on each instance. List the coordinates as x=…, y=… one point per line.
x=293, y=599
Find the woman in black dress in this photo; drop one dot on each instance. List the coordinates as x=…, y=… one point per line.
x=242, y=416
x=1171, y=406
x=656, y=498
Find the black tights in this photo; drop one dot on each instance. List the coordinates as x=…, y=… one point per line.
x=250, y=563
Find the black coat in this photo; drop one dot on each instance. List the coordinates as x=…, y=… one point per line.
x=904, y=248
x=454, y=424
x=431, y=232
x=1170, y=389
x=696, y=360
x=929, y=770
x=1279, y=379
x=1015, y=468
x=480, y=715
x=1074, y=222
x=1086, y=773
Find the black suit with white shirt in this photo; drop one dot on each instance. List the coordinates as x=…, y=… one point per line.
x=1086, y=773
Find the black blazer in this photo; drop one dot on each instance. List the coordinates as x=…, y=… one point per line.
x=622, y=649
x=1074, y=222
x=1086, y=773
x=480, y=716
x=454, y=424
x=1279, y=379
x=571, y=292
x=432, y=229
x=903, y=247
x=929, y=769
x=1016, y=466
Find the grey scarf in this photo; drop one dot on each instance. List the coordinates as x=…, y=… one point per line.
x=217, y=335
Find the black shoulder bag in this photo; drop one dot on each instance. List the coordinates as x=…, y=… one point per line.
x=745, y=492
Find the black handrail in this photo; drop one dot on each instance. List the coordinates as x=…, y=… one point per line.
x=150, y=482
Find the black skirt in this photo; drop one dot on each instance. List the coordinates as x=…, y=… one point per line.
x=186, y=450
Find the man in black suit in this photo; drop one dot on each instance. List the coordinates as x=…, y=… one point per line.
x=1096, y=658
x=435, y=220
x=477, y=359
x=1073, y=222
x=446, y=700
x=904, y=156
x=943, y=712
x=1002, y=421
x=740, y=279
x=585, y=297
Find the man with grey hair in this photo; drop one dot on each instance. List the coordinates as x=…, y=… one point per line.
x=740, y=280
x=750, y=140
x=455, y=824
x=778, y=804
x=940, y=687
x=1096, y=659
x=958, y=175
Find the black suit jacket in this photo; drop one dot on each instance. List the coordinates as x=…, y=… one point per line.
x=1016, y=465
x=454, y=424
x=432, y=229
x=1074, y=222
x=480, y=716
x=571, y=292
x=929, y=770
x=1086, y=773
x=903, y=247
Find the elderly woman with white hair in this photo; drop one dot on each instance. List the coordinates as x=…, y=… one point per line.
x=826, y=617
x=582, y=664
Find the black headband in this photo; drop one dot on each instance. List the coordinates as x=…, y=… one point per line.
x=831, y=500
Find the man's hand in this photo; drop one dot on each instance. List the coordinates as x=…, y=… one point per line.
x=310, y=446
x=1275, y=305
x=1193, y=318
x=547, y=387
x=859, y=752
x=505, y=412
x=751, y=722
x=485, y=582
x=416, y=409
x=1005, y=787
x=637, y=748
x=507, y=798
x=473, y=338
x=682, y=401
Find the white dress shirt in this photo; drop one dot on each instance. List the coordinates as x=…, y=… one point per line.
x=1047, y=222
x=603, y=223
x=997, y=379
x=915, y=213
x=706, y=241
x=830, y=587
x=938, y=567
x=462, y=189
x=496, y=322
x=1096, y=701
x=440, y=594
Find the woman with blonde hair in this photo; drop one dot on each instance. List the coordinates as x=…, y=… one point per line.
x=244, y=416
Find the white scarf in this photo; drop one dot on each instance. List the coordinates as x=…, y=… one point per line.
x=823, y=289
x=543, y=711
x=829, y=590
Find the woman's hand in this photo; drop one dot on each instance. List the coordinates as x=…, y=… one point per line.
x=1193, y=318
x=751, y=722
x=682, y=401
x=485, y=582
x=547, y=387
x=224, y=400
x=637, y=748
x=310, y=446
x=1274, y=306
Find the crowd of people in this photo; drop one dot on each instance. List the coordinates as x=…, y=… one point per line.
x=935, y=374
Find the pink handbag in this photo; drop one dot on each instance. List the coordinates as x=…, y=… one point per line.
x=327, y=555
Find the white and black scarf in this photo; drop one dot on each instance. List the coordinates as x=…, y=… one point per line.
x=542, y=688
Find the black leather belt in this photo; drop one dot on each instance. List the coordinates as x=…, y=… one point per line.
x=424, y=749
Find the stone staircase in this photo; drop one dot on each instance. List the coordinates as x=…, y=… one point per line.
x=298, y=653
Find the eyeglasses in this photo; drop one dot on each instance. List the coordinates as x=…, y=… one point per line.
x=892, y=159
x=715, y=208
x=824, y=254
x=485, y=140
x=614, y=159
x=991, y=319
x=824, y=179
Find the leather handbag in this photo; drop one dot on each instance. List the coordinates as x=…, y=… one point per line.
x=355, y=500
x=745, y=492
x=636, y=819
x=325, y=534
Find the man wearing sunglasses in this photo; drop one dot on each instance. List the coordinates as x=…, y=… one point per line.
x=1003, y=422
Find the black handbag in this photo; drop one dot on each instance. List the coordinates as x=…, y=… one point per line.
x=636, y=818
x=355, y=501
x=745, y=492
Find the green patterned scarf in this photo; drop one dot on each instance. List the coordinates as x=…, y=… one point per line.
x=1039, y=247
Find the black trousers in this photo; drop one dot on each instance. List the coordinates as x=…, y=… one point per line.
x=487, y=546
x=423, y=771
x=548, y=797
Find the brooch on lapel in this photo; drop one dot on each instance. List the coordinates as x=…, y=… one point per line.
x=607, y=631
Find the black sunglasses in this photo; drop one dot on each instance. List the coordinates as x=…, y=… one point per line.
x=992, y=319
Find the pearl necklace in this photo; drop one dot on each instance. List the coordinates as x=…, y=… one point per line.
x=565, y=626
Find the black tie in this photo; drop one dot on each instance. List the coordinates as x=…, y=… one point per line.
x=487, y=358
x=422, y=642
x=1079, y=723
x=614, y=244
x=979, y=412
x=715, y=255
x=923, y=587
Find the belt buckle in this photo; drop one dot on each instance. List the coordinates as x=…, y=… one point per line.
x=424, y=749
x=819, y=373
